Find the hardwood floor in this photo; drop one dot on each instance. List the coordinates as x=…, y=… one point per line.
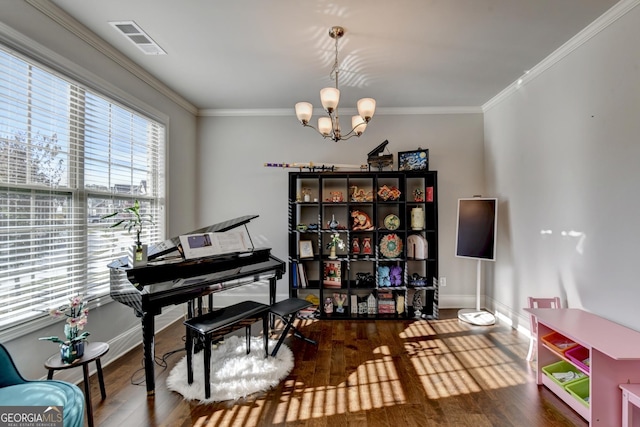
x=362, y=373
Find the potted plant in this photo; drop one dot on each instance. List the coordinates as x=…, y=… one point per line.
x=133, y=220
x=76, y=312
x=335, y=241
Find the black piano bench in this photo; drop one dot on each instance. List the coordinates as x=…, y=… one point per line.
x=287, y=310
x=218, y=323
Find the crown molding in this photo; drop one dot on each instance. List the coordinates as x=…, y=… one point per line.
x=271, y=112
x=609, y=17
x=66, y=21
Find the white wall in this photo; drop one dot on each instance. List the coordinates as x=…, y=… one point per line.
x=562, y=154
x=234, y=181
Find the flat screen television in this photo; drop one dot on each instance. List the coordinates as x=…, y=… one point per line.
x=476, y=228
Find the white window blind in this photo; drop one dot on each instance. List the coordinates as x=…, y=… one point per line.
x=68, y=156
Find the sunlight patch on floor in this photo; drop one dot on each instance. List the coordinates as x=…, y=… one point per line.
x=447, y=361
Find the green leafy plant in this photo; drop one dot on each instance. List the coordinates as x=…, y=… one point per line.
x=133, y=220
x=335, y=241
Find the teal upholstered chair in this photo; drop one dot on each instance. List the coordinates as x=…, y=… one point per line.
x=16, y=391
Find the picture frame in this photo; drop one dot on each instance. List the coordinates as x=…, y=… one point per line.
x=413, y=160
x=305, y=248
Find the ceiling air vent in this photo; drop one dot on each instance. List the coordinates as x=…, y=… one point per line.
x=134, y=33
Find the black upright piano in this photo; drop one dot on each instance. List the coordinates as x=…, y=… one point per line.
x=169, y=279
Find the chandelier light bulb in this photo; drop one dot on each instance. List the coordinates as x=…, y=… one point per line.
x=366, y=108
x=358, y=124
x=329, y=97
x=304, y=111
x=325, y=126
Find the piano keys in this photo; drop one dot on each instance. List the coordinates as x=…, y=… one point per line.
x=168, y=279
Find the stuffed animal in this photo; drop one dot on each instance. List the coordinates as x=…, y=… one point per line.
x=383, y=276
x=396, y=275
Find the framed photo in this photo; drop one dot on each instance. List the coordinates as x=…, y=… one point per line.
x=306, y=249
x=413, y=160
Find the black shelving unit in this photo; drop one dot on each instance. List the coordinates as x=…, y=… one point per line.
x=357, y=279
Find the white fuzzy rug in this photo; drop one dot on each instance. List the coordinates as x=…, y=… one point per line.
x=234, y=374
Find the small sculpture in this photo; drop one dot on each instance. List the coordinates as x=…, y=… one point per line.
x=355, y=246
x=418, y=195
x=339, y=300
x=333, y=223
x=360, y=195
x=417, y=305
x=389, y=193
x=383, y=276
x=395, y=275
x=364, y=280
x=336, y=197
x=361, y=221
x=366, y=246
x=328, y=305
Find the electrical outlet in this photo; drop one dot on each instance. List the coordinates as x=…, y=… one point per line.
x=443, y=282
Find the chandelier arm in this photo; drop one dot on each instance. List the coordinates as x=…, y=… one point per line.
x=307, y=125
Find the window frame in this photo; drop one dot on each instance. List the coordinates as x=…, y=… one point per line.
x=32, y=53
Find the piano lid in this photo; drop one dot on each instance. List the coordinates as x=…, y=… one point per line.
x=170, y=245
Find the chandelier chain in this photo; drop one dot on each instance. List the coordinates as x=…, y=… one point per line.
x=334, y=70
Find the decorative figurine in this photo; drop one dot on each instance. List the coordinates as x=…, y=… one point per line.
x=328, y=305
x=366, y=246
x=371, y=304
x=336, y=197
x=395, y=275
x=383, y=276
x=364, y=280
x=360, y=195
x=389, y=193
x=333, y=224
x=361, y=221
x=339, y=300
x=418, y=195
x=355, y=246
x=362, y=307
x=417, y=305
x=306, y=194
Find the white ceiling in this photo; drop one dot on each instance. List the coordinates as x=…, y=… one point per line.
x=255, y=54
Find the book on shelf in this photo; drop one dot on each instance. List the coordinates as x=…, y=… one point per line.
x=386, y=303
x=302, y=276
x=332, y=274
x=294, y=274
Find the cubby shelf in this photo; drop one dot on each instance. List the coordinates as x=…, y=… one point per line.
x=324, y=203
x=613, y=351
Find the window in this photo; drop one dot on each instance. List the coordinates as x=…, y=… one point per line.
x=68, y=156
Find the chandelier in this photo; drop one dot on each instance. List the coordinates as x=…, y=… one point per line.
x=329, y=127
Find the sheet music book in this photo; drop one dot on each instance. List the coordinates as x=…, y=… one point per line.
x=209, y=244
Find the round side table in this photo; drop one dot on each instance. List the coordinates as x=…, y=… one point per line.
x=93, y=351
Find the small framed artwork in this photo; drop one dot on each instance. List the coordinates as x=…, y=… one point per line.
x=306, y=249
x=413, y=160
